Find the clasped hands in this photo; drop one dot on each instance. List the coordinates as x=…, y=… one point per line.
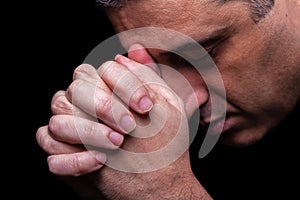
x=98, y=114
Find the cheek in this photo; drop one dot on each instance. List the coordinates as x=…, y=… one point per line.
x=245, y=73
x=253, y=78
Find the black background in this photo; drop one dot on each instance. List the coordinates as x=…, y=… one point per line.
x=44, y=42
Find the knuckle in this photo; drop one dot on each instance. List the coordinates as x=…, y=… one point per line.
x=49, y=145
x=60, y=105
x=89, y=131
x=40, y=135
x=75, y=89
x=105, y=67
x=76, y=163
x=65, y=164
x=72, y=87
x=103, y=106
x=54, y=123
x=81, y=70
x=52, y=164
x=139, y=93
x=58, y=94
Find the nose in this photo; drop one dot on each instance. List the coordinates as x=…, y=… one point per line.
x=196, y=97
x=139, y=54
x=186, y=82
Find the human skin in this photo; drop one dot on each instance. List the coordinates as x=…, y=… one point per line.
x=250, y=59
x=258, y=63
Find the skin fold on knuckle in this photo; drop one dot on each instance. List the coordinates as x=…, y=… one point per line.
x=40, y=134
x=96, y=135
x=83, y=71
x=53, y=147
x=58, y=94
x=125, y=85
x=103, y=106
x=56, y=124
x=88, y=132
x=62, y=165
x=77, y=165
x=72, y=164
x=60, y=105
x=82, y=94
x=73, y=87
x=105, y=67
x=53, y=164
x=48, y=144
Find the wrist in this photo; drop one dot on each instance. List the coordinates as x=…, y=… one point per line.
x=167, y=187
x=183, y=185
x=186, y=187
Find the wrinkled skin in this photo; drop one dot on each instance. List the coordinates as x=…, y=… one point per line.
x=259, y=64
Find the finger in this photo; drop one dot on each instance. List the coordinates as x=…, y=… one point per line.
x=89, y=74
x=61, y=105
x=86, y=72
x=76, y=164
x=76, y=130
x=126, y=86
x=51, y=146
x=139, y=54
x=101, y=107
x=151, y=80
x=100, y=102
x=144, y=73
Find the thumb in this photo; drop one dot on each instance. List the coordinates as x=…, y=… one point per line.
x=139, y=54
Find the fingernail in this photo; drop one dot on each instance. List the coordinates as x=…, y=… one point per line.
x=135, y=47
x=127, y=124
x=116, y=138
x=145, y=104
x=101, y=157
x=122, y=58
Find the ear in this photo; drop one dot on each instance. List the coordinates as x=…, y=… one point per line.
x=139, y=54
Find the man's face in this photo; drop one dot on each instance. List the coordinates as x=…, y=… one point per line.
x=256, y=60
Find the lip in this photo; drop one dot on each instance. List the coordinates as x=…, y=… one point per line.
x=218, y=122
x=217, y=125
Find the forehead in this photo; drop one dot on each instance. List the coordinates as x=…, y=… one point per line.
x=172, y=14
x=194, y=18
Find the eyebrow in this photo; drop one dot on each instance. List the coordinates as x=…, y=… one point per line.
x=211, y=39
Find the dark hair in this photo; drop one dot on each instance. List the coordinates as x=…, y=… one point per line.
x=259, y=8
x=109, y=3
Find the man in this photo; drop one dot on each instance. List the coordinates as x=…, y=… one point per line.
x=255, y=45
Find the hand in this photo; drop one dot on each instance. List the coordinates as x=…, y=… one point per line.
x=174, y=181
x=66, y=159
x=117, y=183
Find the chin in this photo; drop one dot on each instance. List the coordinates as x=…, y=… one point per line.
x=242, y=138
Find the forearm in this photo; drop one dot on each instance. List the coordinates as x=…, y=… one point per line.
x=187, y=188
x=178, y=187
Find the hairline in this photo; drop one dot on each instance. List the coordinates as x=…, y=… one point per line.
x=259, y=8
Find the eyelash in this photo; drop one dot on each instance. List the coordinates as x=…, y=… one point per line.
x=175, y=59
x=212, y=51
